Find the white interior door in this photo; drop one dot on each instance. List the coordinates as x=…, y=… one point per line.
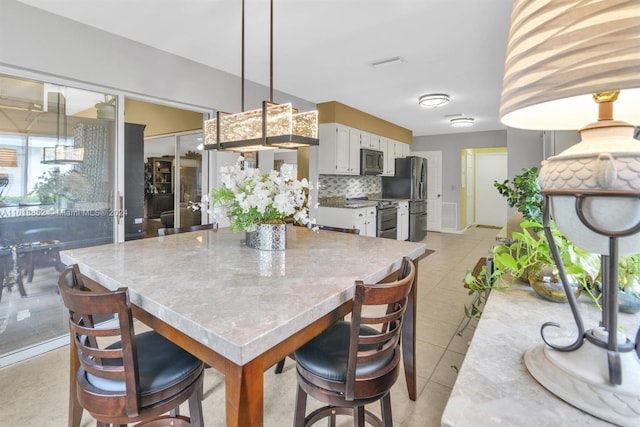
x=434, y=188
x=491, y=207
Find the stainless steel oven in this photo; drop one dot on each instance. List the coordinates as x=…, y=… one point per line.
x=387, y=219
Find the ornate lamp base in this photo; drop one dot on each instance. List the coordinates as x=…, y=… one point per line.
x=581, y=378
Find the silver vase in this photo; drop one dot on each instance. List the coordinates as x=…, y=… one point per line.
x=268, y=237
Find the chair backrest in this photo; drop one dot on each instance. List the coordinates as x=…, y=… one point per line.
x=109, y=363
x=168, y=231
x=378, y=309
x=339, y=229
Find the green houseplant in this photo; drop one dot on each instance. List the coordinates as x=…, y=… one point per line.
x=628, y=284
x=523, y=193
x=529, y=254
x=53, y=186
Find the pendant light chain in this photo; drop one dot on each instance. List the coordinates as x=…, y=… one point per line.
x=271, y=52
x=242, y=66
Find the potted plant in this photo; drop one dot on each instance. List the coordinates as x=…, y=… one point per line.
x=260, y=203
x=532, y=256
x=107, y=108
x=629, y=283
x=54, y=186
x=47, y=186
x=529, y=254
x=523, y=193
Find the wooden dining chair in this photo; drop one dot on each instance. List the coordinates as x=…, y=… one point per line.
x=356, y=362
x=168, y=231
x=280, y=365
x=137, y=378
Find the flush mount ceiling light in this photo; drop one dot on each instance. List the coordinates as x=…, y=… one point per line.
x=433, y=100
x=273, y=126
x=462, y=122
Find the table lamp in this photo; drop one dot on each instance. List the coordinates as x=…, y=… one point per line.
x=568, y=63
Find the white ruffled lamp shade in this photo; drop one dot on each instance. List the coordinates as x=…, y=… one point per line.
x=559, y=55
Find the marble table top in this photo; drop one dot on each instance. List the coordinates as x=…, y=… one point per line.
x=237, y=300
x=493, y=387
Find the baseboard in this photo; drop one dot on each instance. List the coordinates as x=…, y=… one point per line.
x=43, y=347
x=452, y=231
x=35, y=350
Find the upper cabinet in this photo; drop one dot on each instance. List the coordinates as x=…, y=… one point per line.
x=368, y=140
x=402, y=149
x=339, y=150
x=388, y=147
x=340, y=145
x=345, y=130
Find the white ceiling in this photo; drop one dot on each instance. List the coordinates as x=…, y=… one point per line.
x=323, y=48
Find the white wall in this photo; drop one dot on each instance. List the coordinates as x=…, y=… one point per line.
x=450, y=145
x=35, y=40
x=524, y=150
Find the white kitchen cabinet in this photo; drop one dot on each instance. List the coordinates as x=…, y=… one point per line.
x=339, y=150
x=364, y=219
x=388, y=147
x=402, y=149
x=375, y=142
x=403, y=220
x=367, y=140
x=370, y=223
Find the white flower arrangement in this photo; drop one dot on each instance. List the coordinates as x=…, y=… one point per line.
x=249, y=198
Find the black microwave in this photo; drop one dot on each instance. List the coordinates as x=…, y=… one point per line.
x=371, y=162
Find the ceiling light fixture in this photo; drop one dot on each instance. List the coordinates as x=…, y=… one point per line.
x=273, y=126
x=462, y=122
x=561, y=57
x=433, y=100
x=61, y=153
x=396, y=60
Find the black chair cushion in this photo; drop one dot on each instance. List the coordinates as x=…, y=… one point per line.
x=161, y=364
x=326, y=355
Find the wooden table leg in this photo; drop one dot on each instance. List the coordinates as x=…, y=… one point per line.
x=244, y=394
x=75, y=410
x=409, y=339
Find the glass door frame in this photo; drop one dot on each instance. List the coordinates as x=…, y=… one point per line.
x=176, y=173
x=117, y=186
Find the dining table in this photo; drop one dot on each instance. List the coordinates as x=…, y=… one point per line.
x=241, y=310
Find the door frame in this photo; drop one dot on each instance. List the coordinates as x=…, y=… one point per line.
x=464, y=159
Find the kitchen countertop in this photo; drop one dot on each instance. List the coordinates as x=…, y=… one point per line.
x=341, y=203
x=493, y=387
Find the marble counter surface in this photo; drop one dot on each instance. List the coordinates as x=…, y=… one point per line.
x=237, y=300
x=493, y=387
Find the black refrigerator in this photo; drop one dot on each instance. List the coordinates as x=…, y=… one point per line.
x=410, y=182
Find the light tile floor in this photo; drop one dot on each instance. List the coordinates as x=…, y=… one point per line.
x=36, y=390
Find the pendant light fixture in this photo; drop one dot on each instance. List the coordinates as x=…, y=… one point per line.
x=61, y=154
x=272, y=126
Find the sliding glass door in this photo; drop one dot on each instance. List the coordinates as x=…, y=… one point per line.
x=57, y=180
x=174, y=180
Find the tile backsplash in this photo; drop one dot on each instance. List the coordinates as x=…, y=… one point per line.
x=332, y=186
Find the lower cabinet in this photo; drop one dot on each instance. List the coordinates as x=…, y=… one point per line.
x=363, y=219
x=403, y=221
